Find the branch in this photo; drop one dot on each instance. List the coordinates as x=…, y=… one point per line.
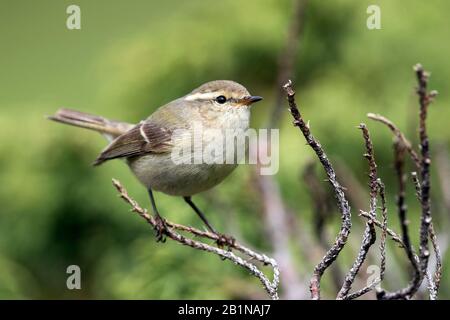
x=391, y=233
x=369, y=232
x=419, y=262
x=384, y=232
x=382, y=294
x=433, y=282
x=414, y=285
x=270, y=286
x=322, y=213
x=402, y=144
x=424, y=100
x=382, y=192
x=344, y=207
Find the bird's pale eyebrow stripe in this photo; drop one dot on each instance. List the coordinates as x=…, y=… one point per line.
x=141, y=130
x=201, y=96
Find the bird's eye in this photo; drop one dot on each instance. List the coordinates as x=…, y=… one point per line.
x=221, y=99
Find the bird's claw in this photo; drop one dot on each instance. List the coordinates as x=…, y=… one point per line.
x=161, y=229
x=224, y=240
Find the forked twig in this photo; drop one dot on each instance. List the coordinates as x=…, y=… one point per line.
x=433, y=282
x=384, y=232
x=422, y=162
x=270, y=286
x=391, y=233
x=420, y=261
x=344, y=207
x=369, y=237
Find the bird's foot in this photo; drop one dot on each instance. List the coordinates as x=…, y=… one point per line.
x=225, y=241
x=161, y=229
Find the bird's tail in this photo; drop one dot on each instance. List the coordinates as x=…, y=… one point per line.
x=109, y=128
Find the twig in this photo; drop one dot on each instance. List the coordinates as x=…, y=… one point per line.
x=403, y=142
x=437, y=252
x=433, y=282
x=369, y=238
x=382, y=294
x=413, y=286
x=344, y=207
x=424, y=100
x=399, y=135
x=399, y=164
x=322, y=213
x=421, y=261
x=384, y=232
x=382, y=192
x=391, y=233
x=369, y=232
x=270, y=286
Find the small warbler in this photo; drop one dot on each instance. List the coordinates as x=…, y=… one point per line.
x=147, y=146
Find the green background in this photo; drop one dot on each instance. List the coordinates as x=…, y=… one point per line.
x=131, y=57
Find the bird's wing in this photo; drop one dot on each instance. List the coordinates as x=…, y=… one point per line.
x=146, y=137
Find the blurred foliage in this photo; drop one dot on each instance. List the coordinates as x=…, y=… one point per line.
x=130, y=58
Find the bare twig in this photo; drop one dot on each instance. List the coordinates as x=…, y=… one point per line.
x=402, y=144
x=433, y=282
x=382, y=192
x=382, y=294
x=322, y=213
x=270, y=286
x=369, y=232
x=404, y=293
x=384, y=232
x=391, y=233
x=437, y=252
x=369, y=238
x=420, y=262
x=424, y=100
x=344, y=207
x=399, y=164
x=399, y=135
x=362, y=291
x=396, y=238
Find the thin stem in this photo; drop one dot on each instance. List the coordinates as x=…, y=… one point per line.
x=344, y=207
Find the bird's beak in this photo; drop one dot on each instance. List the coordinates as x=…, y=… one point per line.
x=250, y=100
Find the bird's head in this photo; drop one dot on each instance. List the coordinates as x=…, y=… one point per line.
x=223, y=93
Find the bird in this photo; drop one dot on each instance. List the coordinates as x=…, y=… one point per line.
x=151, y=148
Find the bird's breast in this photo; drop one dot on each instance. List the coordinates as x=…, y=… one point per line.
x=201, y=156
x=158, y=172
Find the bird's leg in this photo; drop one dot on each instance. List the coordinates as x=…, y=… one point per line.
x=222, y=238
x=160, y=226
